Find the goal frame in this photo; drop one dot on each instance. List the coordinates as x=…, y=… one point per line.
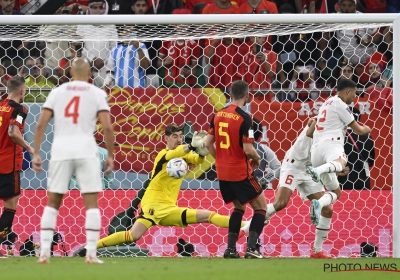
x=390, y=19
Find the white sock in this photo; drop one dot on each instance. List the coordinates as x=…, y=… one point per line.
x=327, y=199
x=270, y=210
x=93, y=224
x=47, y=225
x=321, y=233
x=330, y=167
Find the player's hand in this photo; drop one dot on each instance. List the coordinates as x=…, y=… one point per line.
x=344, y=172
x=108, y=165
x=261, y=56
x=255, y=163
x=202, y=150
x=167, y=61
x=37, y=164
x=367, y=129
x=31, y=150
x=199, y=138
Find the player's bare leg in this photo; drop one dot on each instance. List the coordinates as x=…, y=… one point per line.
x=92, y=225
x=7, y=217
x=323, y=226
x=256, y=227
x=47, y=225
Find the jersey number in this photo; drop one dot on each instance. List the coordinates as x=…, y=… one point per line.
x=321, y=120
x=289, y=179
x=224, y=144
x=72, y=109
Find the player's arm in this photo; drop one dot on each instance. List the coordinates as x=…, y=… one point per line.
x=247, y=135
x=16, y=136
x=359, y=129
x=194, y=158
x=274, y=165
x=210, y=139
x=105, y=120
x=311, y=127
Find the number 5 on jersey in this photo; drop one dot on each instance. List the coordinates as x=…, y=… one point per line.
x=224, y=144
x=72, y=109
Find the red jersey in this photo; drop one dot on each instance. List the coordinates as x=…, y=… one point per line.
x=224, y=65
x=183, y=53
x=265, y=7
x=11, y=113
x=253, y=71
x=232, y=127
x=197, y=6
x=213, y=8
x=19, y=3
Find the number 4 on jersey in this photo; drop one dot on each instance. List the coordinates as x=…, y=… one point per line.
x=72, y=109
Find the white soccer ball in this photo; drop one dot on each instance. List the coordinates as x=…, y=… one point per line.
x=177, y=168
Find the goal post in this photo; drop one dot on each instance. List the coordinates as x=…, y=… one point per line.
x=203, y=27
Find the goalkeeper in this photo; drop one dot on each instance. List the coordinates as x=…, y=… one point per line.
x=158, y=206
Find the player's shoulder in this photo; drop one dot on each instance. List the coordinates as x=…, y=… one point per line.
x=246, y=116
x=17, y=106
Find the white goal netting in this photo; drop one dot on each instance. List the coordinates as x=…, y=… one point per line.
x=182, y=73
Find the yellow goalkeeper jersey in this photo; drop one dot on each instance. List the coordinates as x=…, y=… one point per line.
x=162, y=188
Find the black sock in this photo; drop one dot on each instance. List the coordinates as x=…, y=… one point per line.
x=234, y=227
x=256, y=227
x=6, y=220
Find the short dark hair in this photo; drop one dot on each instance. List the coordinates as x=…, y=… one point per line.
x=15, y=83
x=258, y=129
x=345, y=84
x=133, y=2
x=239, y=89
x=172, y=128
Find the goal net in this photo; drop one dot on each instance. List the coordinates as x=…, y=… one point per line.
x=158, y=70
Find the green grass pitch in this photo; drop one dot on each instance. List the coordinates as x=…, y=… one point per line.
x=190, y=269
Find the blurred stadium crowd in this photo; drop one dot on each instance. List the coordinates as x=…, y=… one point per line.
x=296, y=67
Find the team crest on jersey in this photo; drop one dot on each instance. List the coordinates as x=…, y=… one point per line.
x=151, y=211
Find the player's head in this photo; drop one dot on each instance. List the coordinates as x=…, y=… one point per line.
x=240, y=91
x=139, y=7
x=16, y=88
x=346, y=90
x=173, y=136
x=80, y=69
x=258, y=129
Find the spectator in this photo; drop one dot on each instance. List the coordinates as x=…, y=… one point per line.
x=139, y=7
x=224, y=60
x=258, y=67
x=256, y=7
x=197, y=6
x=324, y=77
x=345, y=70
x=178, y=61
x=375, y=69
x=127, y=63
x=386, y=78
x=280, y=3
x=164, y=6
x=303, y=78
x=75, y=49
x=221, y=7
x=98, y=52
x=7, y=8
x=360, y=157
x=76, y=6
x=35, y=78
x=357, y=45
x=371, y=6
x=270, y=167
x=3, y=81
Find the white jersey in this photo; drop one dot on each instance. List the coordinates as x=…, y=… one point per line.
x=300, y=152
x=334, y=117
x=75, y=106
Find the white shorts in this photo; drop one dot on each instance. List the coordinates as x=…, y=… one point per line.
x=296, y=177
x=87, y=172
x=324, y=152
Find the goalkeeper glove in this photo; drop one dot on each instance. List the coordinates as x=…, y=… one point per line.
x=198, y=139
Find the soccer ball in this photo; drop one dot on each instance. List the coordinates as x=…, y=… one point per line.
x=177, y=168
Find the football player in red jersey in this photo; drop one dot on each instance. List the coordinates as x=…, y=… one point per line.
x=12, y=120
x=230, y=141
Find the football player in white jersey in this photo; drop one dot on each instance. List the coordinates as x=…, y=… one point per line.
x=75, y=107
x=327, y=152
x=294, y=175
